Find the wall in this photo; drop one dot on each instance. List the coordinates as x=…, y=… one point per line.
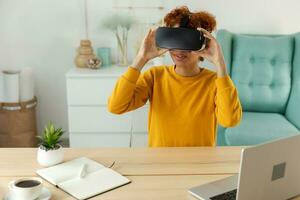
x=43, y=34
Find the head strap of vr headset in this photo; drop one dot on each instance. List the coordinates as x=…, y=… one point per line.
x=185, y=21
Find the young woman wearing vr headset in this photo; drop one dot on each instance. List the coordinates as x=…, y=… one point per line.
x=186, y=101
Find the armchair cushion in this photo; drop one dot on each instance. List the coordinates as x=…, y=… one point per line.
x=261, y=70
x=257, y=128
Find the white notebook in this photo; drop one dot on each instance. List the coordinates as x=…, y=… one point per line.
x=97, y=179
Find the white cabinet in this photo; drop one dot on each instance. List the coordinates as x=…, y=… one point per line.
x=90, y=123
x=89, y=91
x=97, y=118
x=140, y=121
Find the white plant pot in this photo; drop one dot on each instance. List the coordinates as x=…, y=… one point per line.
x=50, y=157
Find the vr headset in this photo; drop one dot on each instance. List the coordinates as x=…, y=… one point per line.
x=182, y=37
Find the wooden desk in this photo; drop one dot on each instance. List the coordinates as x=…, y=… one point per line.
x=156, y=173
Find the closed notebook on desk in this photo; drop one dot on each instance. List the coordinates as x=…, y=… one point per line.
x=97, y=179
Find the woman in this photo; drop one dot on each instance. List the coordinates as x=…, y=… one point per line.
x=186, y=101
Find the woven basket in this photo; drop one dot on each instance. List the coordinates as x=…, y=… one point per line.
x=18, y=124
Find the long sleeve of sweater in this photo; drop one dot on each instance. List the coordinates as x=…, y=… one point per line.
x=131, y=91
x=227, y=104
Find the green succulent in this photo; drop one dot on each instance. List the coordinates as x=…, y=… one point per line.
x=50, y=139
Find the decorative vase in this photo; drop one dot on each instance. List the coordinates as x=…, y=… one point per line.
x=104, y=53
x=50, y=157
x=84, y=53
x=122, y=53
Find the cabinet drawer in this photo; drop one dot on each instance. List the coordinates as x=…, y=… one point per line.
x=89, y=91
x=90, y=140
x=140, y=119
x=97, y=119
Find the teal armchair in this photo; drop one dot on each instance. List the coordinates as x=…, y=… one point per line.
x=266, y=72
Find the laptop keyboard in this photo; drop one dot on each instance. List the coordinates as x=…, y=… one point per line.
x=231, y=195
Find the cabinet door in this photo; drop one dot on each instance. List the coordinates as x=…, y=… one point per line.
x=140, y=119
x=140, y=127
x=97, y=119
x=90, y=140
x=139, y=139
x=89, y=91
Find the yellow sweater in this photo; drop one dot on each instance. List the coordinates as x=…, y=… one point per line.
x=184, y=111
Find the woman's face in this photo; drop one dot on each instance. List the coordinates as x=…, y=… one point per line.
x=183, y=57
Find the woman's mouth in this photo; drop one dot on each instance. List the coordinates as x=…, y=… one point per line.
x=179, y=57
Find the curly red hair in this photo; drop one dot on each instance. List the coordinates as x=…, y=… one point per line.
x=201, y=19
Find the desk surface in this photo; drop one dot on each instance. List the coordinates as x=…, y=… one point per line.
x=156, y=173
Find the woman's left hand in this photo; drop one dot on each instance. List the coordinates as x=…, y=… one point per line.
x=212, y=52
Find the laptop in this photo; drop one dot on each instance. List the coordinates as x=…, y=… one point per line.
x=267, y=171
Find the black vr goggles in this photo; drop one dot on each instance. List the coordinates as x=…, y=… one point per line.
x=182, y=37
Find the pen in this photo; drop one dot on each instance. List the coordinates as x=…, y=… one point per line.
x=83, y=171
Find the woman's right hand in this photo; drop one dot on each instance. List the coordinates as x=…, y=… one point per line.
x=148, y=50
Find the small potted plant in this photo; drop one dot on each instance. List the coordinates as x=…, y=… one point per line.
x=50, y=152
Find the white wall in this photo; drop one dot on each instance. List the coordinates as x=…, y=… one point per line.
x=43, y=34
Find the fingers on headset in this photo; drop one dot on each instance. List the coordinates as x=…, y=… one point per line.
x=203, y=30
x=151, y=33
x=206, y=33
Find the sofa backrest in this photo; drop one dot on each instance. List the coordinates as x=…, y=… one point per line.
x=293, y=107
x=260, y=66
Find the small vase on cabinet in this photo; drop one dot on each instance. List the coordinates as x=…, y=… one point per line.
x=84, y=53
